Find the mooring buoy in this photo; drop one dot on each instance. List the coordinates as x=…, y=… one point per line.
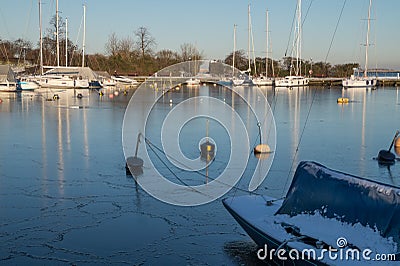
x=207, y=148
x=397, y=142
x=386, y=156
x=261, y=148
x=133, y=163
x=343, y=100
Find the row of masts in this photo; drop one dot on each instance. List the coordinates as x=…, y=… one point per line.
x=250, y=37
x=57, y=37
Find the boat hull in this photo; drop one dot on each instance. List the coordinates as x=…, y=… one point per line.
x=359, y=83
x=8, y=87
x=292, y=82
x=261, y=238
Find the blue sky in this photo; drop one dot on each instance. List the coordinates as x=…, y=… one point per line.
x=209, y=25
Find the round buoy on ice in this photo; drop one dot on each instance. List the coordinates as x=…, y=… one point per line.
x=207, y=150
x=134, y=161
x=343, y=100
x=397, y=142
x=262, y=148
x=116, y=93
x=397, y=146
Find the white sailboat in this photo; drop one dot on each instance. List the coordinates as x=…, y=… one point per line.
x=57, y=77
x=265, y=80
x=355, y=81
x=296, y=80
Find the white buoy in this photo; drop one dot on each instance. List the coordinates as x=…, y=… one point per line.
x=397, y=142
x=261, y=148
x=397, y=146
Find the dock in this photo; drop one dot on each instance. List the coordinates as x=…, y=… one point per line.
x=313, y=81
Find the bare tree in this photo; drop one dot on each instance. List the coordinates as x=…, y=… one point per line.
x=189, y=51
x=125, y=47
x=145, y=42
x=166, y=58
x=112, y=44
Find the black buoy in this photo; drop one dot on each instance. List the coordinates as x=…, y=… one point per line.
x=79, y=96
x=386, y=156
x=134, y=164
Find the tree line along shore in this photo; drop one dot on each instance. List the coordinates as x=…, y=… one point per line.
x=137, y=56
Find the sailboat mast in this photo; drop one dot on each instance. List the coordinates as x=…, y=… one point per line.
x=267, y=46
x=367, y=41
x=84, y=35
x=298, y=39
x=40, y=38
x=234, y=50
x=57, y=33
x=248, y=37
x=66, y=42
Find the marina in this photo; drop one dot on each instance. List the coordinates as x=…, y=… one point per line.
x=120, y=148
x=73, y=202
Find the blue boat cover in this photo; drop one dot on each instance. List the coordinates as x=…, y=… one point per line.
x=345, y=197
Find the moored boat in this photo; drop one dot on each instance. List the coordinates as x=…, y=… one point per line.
x=292, y=81
x=356, y=81
x=323, y=210
x=27, y=84
x=7, y=79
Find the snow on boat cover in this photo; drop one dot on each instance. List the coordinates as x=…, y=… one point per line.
x=323, y=206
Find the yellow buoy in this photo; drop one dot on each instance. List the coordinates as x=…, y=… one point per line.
x=343, y=100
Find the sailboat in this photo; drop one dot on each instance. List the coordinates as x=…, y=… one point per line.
x=58, y=76
x=295, y=80
x=355, y=80
x=265, y=81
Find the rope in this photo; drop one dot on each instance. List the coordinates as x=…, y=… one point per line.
x=148, y=142
x=302, y=24
x=169, y=169
x=334, y=33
